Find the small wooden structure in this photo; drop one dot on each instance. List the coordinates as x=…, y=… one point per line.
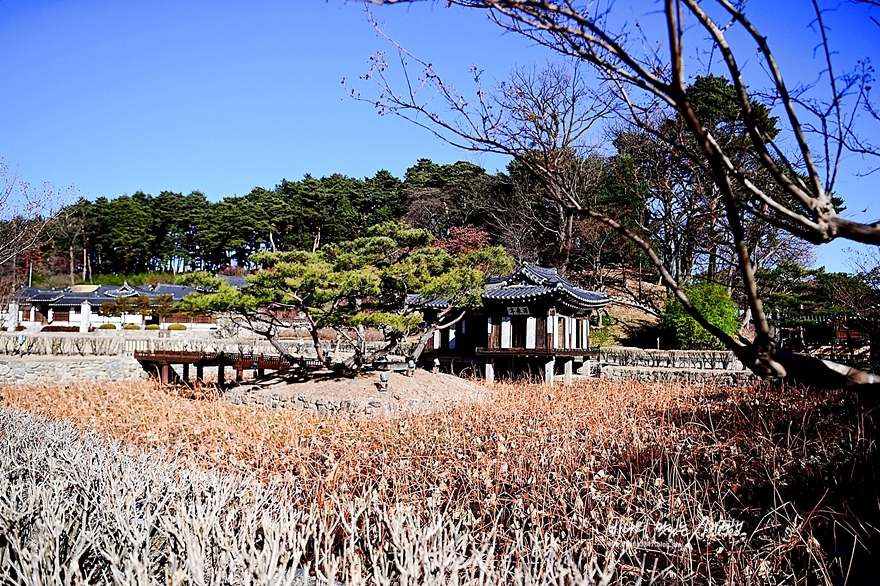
x=532, y=322
x=160, y=364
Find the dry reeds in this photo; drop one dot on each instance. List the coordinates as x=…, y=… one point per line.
x=697, y=485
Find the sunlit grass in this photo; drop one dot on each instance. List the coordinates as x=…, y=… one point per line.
x=567, y=463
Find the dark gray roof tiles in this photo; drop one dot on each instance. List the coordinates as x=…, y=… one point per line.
x=419, y=301
x=527, y=283
x=45, y=296
x=500, y=291
x=103, y=294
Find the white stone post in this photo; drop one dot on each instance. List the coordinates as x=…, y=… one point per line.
x=490, y=373
x=549, y=370
x=568, y=368
x=12, y=319
x=85, y=317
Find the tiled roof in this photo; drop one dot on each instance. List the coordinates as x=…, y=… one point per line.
x=102, y=294
x=416, y=300
x=501, y=291
x=530, y=282
x=176, y=291
x=48, y=295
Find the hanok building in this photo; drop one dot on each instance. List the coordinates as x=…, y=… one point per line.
x=79, y=305
x=533, y=322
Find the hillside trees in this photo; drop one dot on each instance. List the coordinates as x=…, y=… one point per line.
x=174, y=232
x=645, y=77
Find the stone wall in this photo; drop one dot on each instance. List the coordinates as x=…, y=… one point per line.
x=53, y=369
x=679, y=375
x=688, y=359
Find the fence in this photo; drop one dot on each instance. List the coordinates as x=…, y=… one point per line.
x=21, y=344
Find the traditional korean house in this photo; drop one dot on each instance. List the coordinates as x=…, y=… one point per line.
x=533, y=322
x=78, y=306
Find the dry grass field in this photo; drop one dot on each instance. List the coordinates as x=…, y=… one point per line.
x=682, y=485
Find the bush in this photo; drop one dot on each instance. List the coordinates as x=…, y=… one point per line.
x=131, y=327
x=107, y=327
x=177, y=327
x=151, y=327
x=714, y=302
x=60, y=329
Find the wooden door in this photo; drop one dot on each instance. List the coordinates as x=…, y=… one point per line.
x=518, y=332
x=495, y=336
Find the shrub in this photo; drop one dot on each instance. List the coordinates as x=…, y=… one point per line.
x=177, y=327
x=131, y=327
x=107, y=327
x=60, y=329
x=151, y=327
x=714, y=302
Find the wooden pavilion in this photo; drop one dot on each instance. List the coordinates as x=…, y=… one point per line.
x=533, y=322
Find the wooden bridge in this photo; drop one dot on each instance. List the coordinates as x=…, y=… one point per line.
x=159, y=363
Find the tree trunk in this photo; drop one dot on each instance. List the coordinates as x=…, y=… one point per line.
x=72, y=278
x=824, y=373
x=356, y=363
x=423, y=340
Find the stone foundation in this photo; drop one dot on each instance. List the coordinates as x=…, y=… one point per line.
x=388, y=406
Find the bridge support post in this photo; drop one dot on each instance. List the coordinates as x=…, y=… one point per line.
x=490, y=373
x=221, y=375
x=568, y=368
x=239, y=373
x=261, y=372
x=549, y=371
x=186, y=372
x=164, y=370
x=200, y=374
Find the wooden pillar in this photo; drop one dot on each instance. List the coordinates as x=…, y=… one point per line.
x=239, y=373
x=221, y=375
x=549, y=370
x=186, y=372
x=200, y=373
x=164, y=376
x=490, y=373
x=261, y=372
x=568, y=367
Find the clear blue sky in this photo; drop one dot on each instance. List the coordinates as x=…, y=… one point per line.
x=222, y=95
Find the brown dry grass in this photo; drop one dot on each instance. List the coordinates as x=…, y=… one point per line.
x=794, y=465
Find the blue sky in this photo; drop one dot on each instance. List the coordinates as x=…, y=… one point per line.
x=116, y=96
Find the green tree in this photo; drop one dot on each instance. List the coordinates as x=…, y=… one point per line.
x=712, y=301
x=348, y=286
